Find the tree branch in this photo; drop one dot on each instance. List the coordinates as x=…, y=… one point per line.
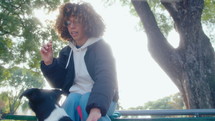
x=164, y=54
x=171, y=8
x=143, y=10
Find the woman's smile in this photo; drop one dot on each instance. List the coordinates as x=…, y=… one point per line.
x=74, y=34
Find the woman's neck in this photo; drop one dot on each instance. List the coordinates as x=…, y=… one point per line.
x=81, y=42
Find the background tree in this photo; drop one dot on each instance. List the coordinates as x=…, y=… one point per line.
x=174, y=101
x=16, y=81
x=191, y=66
x=21, y=35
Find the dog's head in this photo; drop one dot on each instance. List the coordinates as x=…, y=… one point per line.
x=36, y=96
x=44, y=103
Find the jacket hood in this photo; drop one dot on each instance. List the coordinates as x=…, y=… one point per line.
x=89, y=42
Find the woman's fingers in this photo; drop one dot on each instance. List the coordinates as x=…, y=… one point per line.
x=46, y=53
x=43, y=50
x=47, y=47
x=49, y=44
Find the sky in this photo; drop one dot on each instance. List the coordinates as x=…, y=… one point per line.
x=140, y=79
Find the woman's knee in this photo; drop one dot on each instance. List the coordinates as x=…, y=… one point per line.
x=112, y=108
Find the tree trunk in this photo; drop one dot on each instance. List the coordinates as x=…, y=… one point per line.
x=191, y=66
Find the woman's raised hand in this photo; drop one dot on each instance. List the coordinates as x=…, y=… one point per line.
x=47, y=53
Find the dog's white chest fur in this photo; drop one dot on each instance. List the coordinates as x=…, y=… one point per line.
x=56, y=114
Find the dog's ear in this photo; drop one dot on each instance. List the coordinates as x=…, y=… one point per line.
x=56, y=94
x=31, y=94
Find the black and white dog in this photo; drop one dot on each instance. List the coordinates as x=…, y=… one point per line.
x=45, y=104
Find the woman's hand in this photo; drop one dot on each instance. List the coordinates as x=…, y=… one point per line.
x=47, y=53
x=95, y=114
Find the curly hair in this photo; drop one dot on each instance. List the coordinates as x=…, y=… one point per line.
x=85, y=14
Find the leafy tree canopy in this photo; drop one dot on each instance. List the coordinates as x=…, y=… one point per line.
x=21, y=35
x=164, y=20
x=16, y=80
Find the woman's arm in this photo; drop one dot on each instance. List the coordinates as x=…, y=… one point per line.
x=104, y=76
x=55, y=73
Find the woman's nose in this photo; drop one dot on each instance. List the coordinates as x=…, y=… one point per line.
x=72, y=25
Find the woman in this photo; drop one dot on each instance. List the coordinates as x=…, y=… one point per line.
x=85, y=69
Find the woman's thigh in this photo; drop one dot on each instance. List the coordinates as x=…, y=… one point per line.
x=70, y=105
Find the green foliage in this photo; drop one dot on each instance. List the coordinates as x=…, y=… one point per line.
x=165, y=21
x=21, y=33
x=21, y=78
x=11, y=103
x=3, y=102
x=163, y=18
x=208, y=19
x=208, y=11
x=21, y=36
x=170, y=102
x=16, y=80
x=5, y=49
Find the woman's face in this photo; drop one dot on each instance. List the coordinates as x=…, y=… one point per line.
x=76, y=30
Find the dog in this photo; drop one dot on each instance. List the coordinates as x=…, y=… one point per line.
x=45, y=105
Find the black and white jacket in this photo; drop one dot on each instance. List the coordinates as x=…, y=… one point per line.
x=101, y=67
